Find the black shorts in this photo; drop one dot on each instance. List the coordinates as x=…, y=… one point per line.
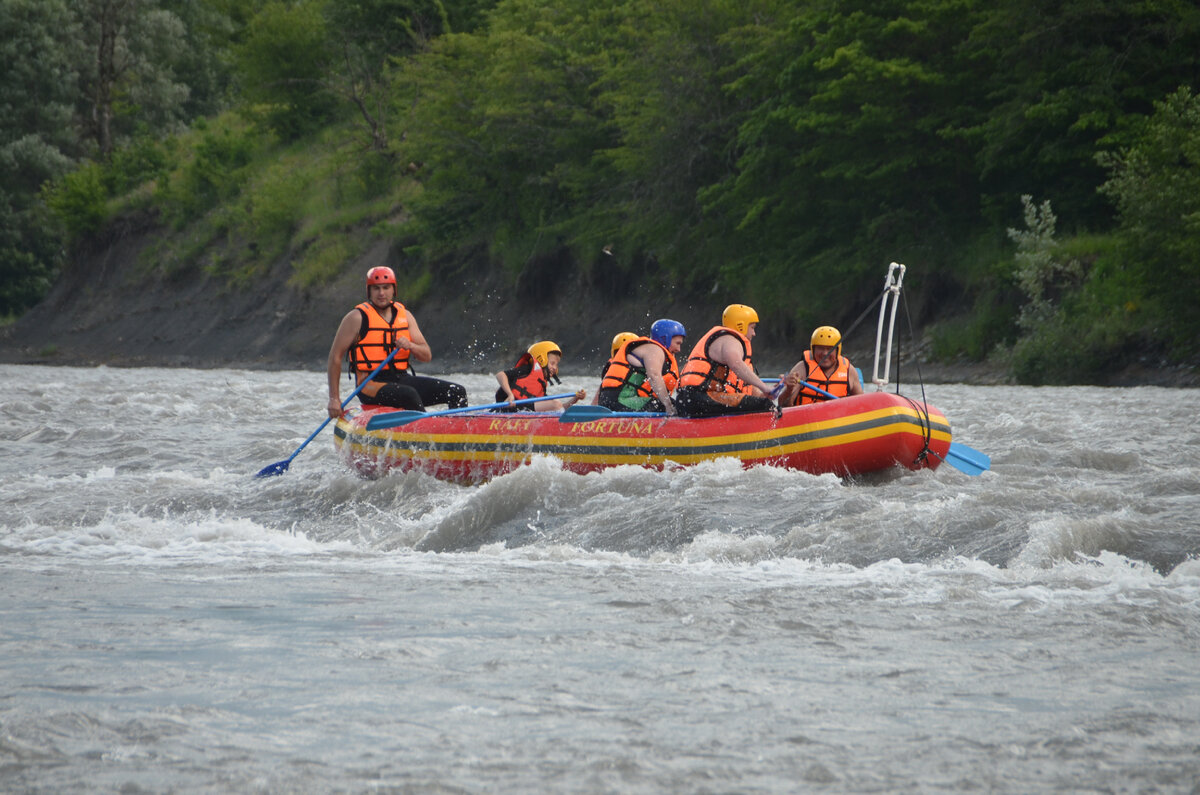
x=693, y=402
x=415, y=392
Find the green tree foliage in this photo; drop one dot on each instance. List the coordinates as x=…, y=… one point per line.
x=776, y=151
x=500, y=123
x=371, y=36
x=128, y=69
x=1057, y=79
x=36, y=140
x=849, y=152
x=102, y=77
x=283, y=62
x=1155, y=183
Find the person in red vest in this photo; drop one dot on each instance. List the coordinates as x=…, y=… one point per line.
x=367, y=334
x=824, y=367
x=529, y=377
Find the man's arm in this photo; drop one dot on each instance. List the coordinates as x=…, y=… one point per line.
x=728, y=351
x=346, y=335
x=856, y=387
x=417, y=345
x=792, y=380
x=653, y=358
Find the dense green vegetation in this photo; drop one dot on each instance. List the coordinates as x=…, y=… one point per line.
x=1036, y=164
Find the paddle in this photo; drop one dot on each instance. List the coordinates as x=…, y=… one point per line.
x=394, y=419
x=967, y=460
x=589, y=413
x=279, y=467
x=804, y=384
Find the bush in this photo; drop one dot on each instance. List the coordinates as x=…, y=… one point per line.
x=216, y=172
x=79, y=200
x=144, y=160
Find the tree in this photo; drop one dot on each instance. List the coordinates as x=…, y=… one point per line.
x=37, y=141
x=848, y=153
x=1060, y=79
x=1155, y=184
x=127, y=76
x=283, y=62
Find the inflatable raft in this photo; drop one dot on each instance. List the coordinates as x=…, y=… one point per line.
x=850, y=436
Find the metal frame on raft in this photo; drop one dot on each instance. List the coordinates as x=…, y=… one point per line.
x=891, y=295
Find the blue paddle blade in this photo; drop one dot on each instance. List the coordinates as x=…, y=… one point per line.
x=967, y=459
x=278, y=468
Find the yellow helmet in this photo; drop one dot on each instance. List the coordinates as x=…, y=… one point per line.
x=738, y=317
x=621, y=339
x=828, y=336
x=540, y=351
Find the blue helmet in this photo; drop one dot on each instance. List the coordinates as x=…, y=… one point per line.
x=661, y=331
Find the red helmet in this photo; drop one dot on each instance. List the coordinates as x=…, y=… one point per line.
x=381, y=275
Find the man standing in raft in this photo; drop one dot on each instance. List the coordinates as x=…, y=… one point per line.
x=529, y=377
x=824, y=367
x=719, y=376
x=643, y=372
x=367, y=334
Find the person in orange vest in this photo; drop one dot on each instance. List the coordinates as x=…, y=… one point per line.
x=529, y=377
x=719, y=376
x=824, y=367
x=367, y=334
x=643, y=371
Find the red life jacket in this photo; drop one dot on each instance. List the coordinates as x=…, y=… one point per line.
x=530, y=380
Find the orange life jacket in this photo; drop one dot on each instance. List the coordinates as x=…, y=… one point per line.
x=702, y=372
x=619, y=368
x=837, y=384
x=377, y=340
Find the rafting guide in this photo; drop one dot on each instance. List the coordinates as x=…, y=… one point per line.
x=366, y=336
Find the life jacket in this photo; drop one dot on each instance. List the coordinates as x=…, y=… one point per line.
x=702, y=372
x=530, y=381
x=837, y=384
x=376, y=340
x=619, y=369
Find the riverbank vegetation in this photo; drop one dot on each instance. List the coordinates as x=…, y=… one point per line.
x=1036, y=165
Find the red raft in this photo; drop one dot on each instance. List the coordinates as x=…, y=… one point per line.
x=850, y=436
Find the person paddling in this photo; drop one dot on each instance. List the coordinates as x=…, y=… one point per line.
x=643, y=371
x=719, y=376
x=367, y=334
x=824, y=367
x=528, y=378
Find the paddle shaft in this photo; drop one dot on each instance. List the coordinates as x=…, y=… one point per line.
x=279, y=467
x=393, y=419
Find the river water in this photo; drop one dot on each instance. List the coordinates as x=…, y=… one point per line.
x=170, y=623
